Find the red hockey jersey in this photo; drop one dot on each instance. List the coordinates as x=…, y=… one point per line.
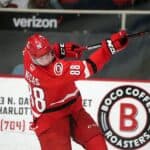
x=52, y=88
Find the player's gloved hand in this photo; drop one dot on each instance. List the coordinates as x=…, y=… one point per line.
x=117, y=42
x=68, y=49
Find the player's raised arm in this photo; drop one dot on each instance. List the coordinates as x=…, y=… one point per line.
x=116, y=43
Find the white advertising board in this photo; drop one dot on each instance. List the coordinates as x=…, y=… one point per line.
x=121, y=108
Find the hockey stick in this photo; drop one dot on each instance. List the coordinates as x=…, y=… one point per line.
x=138, y=34
x=130, y=36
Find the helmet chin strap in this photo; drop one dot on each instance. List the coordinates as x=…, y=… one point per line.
x=37, y=63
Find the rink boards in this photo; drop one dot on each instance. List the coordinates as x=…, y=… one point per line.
x=121, y=108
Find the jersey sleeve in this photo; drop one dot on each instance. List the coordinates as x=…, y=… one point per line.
x=78, y=69
x=81, y=69
x=98, y=59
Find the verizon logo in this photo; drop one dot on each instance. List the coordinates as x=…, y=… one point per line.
x=34, y=22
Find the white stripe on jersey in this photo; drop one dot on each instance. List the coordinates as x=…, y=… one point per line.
x=65, y=98
x=86, y=70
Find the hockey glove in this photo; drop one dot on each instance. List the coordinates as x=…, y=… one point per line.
x=68, y=49
x=117, y=42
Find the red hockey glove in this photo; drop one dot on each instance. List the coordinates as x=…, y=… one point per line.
x=68, y=49
x=117, y=42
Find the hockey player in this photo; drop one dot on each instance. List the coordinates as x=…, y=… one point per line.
x=55, y=100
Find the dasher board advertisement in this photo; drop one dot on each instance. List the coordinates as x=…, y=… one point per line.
x=120, y=108
x=54, y=22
